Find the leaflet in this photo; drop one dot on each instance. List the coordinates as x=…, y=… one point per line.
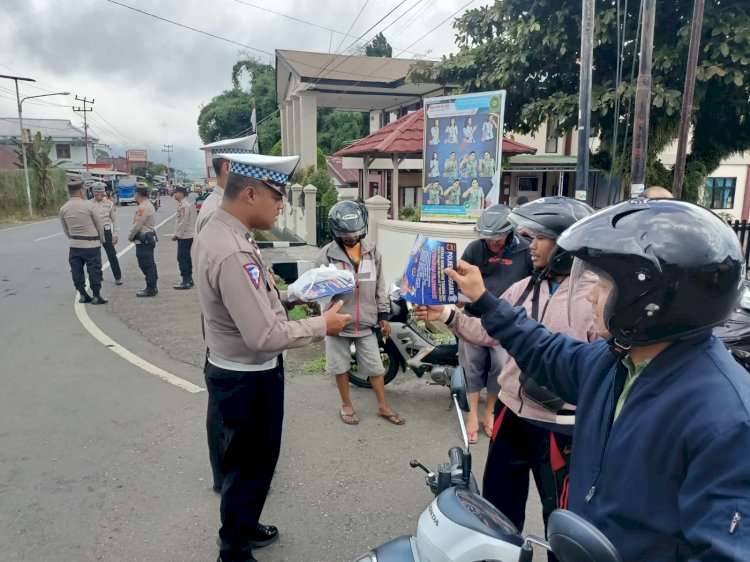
x=424, y=281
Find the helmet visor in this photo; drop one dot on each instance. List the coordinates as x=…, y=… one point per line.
x=531, y=227
x=591, y=293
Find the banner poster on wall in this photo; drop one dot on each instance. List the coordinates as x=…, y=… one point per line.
x=462, y=155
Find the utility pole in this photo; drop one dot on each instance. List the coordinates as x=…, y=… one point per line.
x=584, y=99
x=85, y=110
x=642, y=103
x=687, y=98
x=169, y=149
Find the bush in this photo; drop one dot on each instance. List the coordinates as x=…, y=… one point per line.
x=13, y=193
x=412, y=214
x=275, y=149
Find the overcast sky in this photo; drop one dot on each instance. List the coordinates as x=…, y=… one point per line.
x=149, y=78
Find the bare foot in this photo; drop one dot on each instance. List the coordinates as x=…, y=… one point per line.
x=472, y=427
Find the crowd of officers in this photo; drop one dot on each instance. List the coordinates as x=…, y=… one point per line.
x=92, y=224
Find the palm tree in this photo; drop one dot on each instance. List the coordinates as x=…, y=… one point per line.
x=40, y=165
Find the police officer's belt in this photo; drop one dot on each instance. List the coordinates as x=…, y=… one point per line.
x=85, y=237
x=228, y=365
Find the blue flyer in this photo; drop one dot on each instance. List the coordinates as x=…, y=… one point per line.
x=424, y=281
x=327, y=288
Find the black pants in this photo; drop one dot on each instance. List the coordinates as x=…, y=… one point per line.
x=251, y=405
x=214, y=432
x=109, y=247
x=145, y=255
x=184, y=246
x=92, y=259
x=518, y=446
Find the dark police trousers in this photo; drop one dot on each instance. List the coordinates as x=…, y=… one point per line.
x=145, y=255
x=92, y=259
x=251, y=405
x=183, y=257
x=518, y=447
x=109, y=247
x=214, y=432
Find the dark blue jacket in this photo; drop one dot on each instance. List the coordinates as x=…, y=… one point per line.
x=674, y=471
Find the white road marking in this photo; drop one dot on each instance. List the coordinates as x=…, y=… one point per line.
x=48, y=237
x=96, y=332
x=27, y=224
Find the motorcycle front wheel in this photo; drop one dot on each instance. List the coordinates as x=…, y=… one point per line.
x=390, y=361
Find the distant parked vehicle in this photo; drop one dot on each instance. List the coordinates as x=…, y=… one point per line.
x=200, y=199
x=125, y=193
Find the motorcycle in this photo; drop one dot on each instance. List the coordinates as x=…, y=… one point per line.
x=735, y=332
x=461, y=526
x=155, y=200
x=410, y=346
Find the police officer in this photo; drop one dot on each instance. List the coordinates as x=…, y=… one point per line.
x=183, y=233
x=217, y=152
x=247, y=330
x=143, y=234
x=106, y=210
x=81, y=223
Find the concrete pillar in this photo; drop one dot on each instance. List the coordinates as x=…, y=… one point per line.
x=311, y=236
x=377, y=209
x=350, y=194
x=296, y=192
x=308, y=149
x=375, y=117
x=284, y=139
x=288, y=130
x=394, y=187
x=295, y=107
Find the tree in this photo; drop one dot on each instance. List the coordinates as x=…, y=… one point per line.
x=40, y=165
x=379, y=47
x=337, y=129
x=531, y=49
x=148, y=169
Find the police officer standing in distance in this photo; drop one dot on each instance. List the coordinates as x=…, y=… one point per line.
x=106, y=210
x=82, y=225
x=143, y=234
x=247, y=329
x=184, y=229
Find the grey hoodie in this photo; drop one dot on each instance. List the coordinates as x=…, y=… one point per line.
x=369, y=303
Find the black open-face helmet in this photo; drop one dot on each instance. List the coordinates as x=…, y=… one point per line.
x=550, y=217
x=493, y=223
x=672, y=269
x=348, y=220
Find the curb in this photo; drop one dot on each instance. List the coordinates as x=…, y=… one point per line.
x=269, y=244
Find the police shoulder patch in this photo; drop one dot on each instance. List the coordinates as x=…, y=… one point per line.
x=253, y=270
x=140, y=211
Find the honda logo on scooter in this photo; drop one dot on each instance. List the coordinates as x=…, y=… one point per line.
x=433, y=516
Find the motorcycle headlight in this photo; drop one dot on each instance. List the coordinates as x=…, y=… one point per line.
x=369, y=557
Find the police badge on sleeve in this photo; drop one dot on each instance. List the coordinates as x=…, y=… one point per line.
x=253, y=270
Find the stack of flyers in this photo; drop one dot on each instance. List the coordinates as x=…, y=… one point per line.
x=424, y=281
x=327, y=288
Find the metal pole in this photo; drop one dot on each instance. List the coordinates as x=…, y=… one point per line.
x=642, y=103
x=687, y=98
x=584, y=100
x=23, y=154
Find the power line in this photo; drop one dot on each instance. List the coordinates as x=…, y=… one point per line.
x=362, y=9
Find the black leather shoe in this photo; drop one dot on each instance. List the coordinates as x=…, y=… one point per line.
x=147, y=293
x=264, y=535
x=118, y=281
x=182, y=286
x=217, y=488
x=99, y=300
x=85, y=298
x=190, y=282
x=251, y=559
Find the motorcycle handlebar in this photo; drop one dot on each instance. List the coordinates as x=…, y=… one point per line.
x=456, y=456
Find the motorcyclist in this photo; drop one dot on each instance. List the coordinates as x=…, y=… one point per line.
x=533, y=429
x=660, y=464
x=503, y=258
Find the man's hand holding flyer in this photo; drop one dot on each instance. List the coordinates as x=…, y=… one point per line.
x=424, y=281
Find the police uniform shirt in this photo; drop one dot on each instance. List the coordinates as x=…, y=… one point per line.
x=106, y=211
x=185, y=220
x=245, y=320
x=210, y=204
x=80, y=220
x=144, y=220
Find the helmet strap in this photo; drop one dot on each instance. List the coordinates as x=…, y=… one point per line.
x=618, y=348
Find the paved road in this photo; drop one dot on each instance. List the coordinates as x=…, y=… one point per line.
x=100, y=460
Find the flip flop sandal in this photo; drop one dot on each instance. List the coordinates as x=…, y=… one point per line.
x=353, y=418
x=472, y=438
x=394, y=418
x=488, y=431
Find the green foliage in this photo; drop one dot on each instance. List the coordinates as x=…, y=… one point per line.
x=316, y=366
x=148, y=169
x=412, y=214
x=275, y=149
x=13, y=201
x=337, y=129
x=40, y=166
x=298, y=313
x=379, y=47
x=531, y=48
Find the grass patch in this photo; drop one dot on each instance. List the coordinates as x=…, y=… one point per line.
x=316, y=366
x=299, y=312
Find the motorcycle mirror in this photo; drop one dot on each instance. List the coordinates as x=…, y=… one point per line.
x=573, y=539
x=458, y=388
x=395, y=291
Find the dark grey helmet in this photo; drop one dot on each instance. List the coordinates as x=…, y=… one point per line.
x=347, y=218
x=493, y=222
